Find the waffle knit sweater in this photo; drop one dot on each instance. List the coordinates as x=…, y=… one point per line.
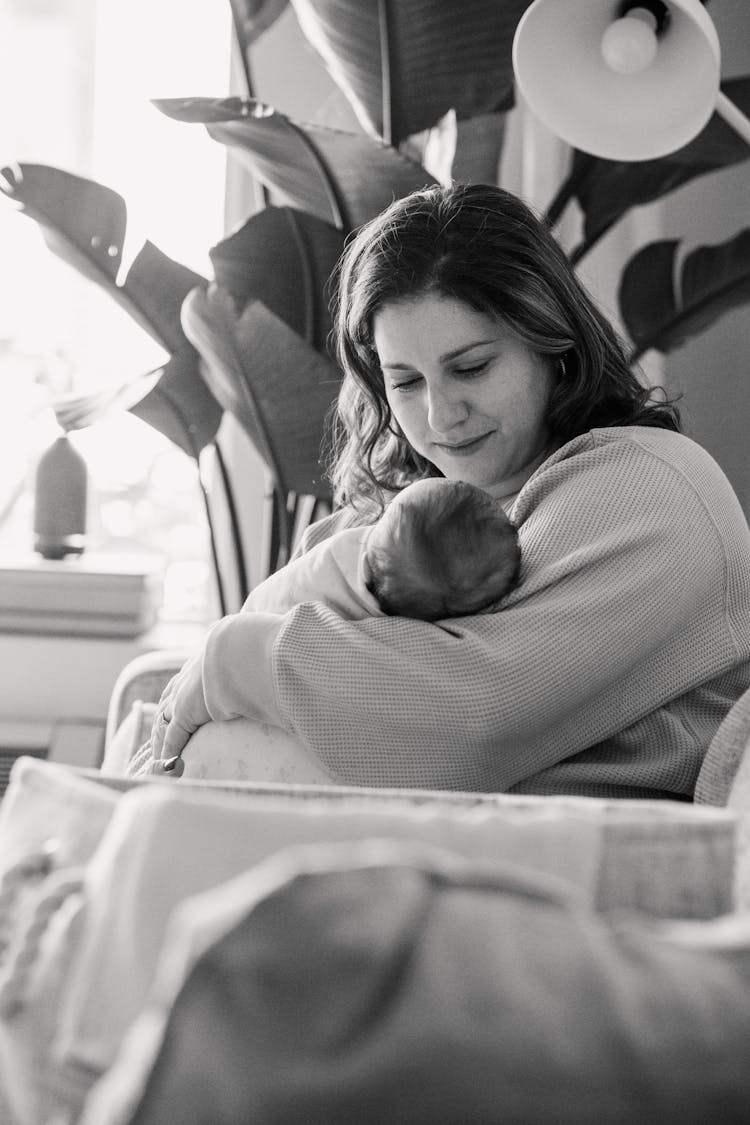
x=606, y=672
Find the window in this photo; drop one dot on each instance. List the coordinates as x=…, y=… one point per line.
x=80, y=75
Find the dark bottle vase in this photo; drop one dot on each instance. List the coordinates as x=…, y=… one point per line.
x=60, y=494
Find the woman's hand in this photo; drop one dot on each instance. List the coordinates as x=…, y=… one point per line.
x=181, y=710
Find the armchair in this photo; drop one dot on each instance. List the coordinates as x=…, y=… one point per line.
x=133, y=704
x=431, y=920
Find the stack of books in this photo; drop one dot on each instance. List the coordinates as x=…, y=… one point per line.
x=87, y=595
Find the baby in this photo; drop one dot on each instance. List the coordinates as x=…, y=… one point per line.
x=441, y=549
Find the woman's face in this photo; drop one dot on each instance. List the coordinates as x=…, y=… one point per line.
x=468, y=394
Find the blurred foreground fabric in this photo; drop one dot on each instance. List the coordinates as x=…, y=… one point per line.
x=387, y=983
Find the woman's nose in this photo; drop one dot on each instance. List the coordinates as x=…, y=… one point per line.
x=445, y=410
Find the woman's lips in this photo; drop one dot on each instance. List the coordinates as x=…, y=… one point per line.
x=462, y=448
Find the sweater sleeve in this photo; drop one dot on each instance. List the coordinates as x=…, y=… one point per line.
x=329, y=572
x=620, y=608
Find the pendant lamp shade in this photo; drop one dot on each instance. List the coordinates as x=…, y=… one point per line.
x=612, y=86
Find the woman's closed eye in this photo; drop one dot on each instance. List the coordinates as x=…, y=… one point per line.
x=466, y=372
x=408, y=384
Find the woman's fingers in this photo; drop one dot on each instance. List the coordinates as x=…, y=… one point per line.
x=175, y=739
x=162, y=718
x=181, y=710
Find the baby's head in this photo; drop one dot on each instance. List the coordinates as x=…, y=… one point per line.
x=441, y=549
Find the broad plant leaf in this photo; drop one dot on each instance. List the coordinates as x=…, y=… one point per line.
x=81, y=221
x=404, y=63
x=468, y=151
x=341, y=178
x=607, y=189
x=662, y=306
x=283, y=257
x=169, y=398
x=85, y=223
x=181, y=405
x=76, y=410
x=254, y=17
x=277, y=386
x=250, y=19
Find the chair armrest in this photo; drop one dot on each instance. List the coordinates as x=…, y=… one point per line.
x=143, y=678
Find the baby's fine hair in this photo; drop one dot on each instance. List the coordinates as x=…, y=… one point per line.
x=442, y=549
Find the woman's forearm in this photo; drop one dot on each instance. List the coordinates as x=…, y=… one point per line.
x=238, y=667
x=624, y=576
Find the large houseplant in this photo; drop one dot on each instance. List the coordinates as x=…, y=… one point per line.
x=416, y=72
x=432, y=87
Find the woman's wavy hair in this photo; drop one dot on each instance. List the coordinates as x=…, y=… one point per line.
x=481, y=245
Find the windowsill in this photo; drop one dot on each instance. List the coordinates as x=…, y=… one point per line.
x=51, y=679
x=90, y=617
x=143, y=511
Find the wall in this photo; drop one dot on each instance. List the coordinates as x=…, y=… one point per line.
x=713, y=371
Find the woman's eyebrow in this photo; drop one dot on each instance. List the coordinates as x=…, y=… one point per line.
x=467, y=348
x=385, y=364
x=444, y=358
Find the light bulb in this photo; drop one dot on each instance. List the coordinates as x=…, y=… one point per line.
x=629, y=44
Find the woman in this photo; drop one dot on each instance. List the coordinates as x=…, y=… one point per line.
x=470, y=350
